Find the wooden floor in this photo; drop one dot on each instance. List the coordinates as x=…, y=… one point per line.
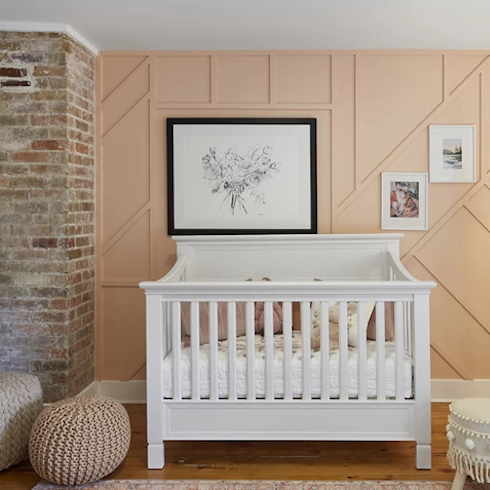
x=271, y=460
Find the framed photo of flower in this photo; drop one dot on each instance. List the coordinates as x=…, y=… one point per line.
x=241, y=176
x=404, y=201
x=452, y=154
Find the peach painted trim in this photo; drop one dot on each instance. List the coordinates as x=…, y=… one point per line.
x=98, y=324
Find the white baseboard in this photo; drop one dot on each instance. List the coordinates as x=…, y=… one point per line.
x=447, y=390
x=443, y=390
x=123, y=391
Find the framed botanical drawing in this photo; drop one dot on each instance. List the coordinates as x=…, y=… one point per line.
x=241, y=176
x=452, y=153
x=404, y=201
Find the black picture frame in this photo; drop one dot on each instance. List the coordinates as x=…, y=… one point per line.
x=175, y=229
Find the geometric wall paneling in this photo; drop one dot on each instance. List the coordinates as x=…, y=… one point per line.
x=124, y=98
x=364, y=214
x=413, y=156
x=485, y=122
x=463, y=107
x=140, y=375
x=450, y=256
x=453, y=325
x=479, y=206
x=323, y=166
x=484, y=75
x=125, y=172
x=242, y=78
x=302, y=79
x=123, y=338
x=115, y=69
x=373, y=110
x=397, y=94
x=443, y=197
x=135, y=243
x=440, y=368
x=183, y=79
x=344, y=170
x=411, y=238
x=458, y=67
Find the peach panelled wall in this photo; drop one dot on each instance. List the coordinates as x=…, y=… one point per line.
x=373, y=110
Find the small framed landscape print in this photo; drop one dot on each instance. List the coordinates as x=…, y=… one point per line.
x=241, y=176
x=404, y=201
x=452, y=155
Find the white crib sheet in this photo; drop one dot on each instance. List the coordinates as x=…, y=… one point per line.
x=241, y=369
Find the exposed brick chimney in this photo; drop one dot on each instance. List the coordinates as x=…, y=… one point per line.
x=47, y=210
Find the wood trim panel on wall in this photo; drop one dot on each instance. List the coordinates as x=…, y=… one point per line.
x=98, y=222
x=341, y=215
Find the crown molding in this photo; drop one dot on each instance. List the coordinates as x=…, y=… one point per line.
x=48, y=27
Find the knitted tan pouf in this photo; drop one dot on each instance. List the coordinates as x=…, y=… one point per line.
x=21, y=401
x=80, y=440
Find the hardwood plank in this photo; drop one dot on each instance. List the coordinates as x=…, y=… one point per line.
x=270, y=460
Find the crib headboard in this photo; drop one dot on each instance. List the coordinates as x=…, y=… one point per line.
x=288, y=257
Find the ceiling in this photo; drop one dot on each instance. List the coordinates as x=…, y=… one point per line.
x=265, y=24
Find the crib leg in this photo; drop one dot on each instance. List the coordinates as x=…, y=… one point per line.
x=423, y=456
x=156, y=456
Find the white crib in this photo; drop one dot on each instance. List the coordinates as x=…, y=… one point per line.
x=352, y=268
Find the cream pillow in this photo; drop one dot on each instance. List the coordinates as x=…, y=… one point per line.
x=353, y=323
x=333, y=314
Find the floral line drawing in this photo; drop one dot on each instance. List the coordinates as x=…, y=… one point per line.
x=236, y=175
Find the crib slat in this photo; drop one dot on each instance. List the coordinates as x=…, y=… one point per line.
x=176, y=345
x=287, y=326
x=269, y=351
x=343, y=351
x=409, y=327
x=380, y=351
x=306, y=345
x=213, y=349
x=195, y=349
x=325, y=350
x=400, y=351
x=231, y=350
x=362, y=351
x=250, y=328
x=406, y=313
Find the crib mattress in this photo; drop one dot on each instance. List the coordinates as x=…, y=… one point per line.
x=241, y=370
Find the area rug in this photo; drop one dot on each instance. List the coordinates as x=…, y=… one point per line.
x=261, y=485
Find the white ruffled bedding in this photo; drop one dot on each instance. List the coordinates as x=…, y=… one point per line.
x=241, y=369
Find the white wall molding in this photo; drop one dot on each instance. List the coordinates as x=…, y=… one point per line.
x=48, y=27
x=447, y=390
x=123, y=391
x=443, y=390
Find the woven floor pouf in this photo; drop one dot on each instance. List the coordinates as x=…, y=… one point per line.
x=21, y=401
x=80, y=440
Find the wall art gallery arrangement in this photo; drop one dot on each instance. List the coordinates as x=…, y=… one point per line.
x=376, y=112
x=258, y=175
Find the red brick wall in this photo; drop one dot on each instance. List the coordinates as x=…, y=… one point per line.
x=47, y=210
